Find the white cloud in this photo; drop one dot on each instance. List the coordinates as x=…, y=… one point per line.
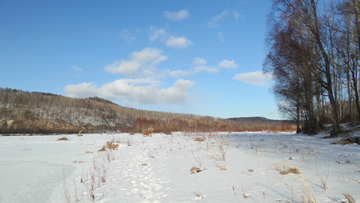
x=179, y=73
x=142, y=63
x=126, y=35
x=199, y=61
x=214, y=22
x=81, y=90
x=169, y=40
x=178, y=42
x=76, y=69
x=130, y=91
x=205, y=69
x=155, y=34
x=184, y=84
x=221, y=37
x=258, y=78
x=237, y=15
x=200, y=65
x=180, y=15
x=228, y=64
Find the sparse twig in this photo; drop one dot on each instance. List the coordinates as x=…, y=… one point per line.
x=349, y=198
x=322, y=175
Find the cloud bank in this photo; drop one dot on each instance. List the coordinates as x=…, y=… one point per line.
x=140, y=64
x=200, y=65
x=169, y=40
x=134, y=91
x=176, y=16
x=258, y=78
x=144, y=86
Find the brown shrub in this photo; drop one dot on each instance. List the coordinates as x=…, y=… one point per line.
x=63, y=139
x=350, y=140
x=109, y=145
x=148, y=132
x=166, y=132
x=195, y=170
x=199, y=139
x=285, y=127
x=290, y=170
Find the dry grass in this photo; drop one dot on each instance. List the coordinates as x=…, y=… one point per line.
x=223, y=152
x=349, y=198
x=244, y=194
x=290, y=170
x=222, y=167
x=148, y=132
x=199, y=195
x=109, y=145
x=197, y=158
x=63, y=139
x=323, y=176
x=195, y=170
x=199, y=139
x=280, y=166
x=80, y=162
x=309, y=195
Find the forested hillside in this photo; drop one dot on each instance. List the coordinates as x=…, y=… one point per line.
x=45, y=112
x=36, y=112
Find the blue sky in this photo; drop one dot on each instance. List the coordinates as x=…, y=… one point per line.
x=198, y=57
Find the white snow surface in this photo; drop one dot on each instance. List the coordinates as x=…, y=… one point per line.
x=157, y=169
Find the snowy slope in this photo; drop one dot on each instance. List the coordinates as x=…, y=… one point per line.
x=236, y=167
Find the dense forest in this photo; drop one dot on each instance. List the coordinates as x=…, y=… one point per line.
x=36, y=112
x=314, y=52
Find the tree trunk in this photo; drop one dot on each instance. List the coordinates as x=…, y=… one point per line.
x=329, y=87
x=355, y=85
x=349, y=91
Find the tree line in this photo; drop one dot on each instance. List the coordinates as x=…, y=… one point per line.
x=313, y=55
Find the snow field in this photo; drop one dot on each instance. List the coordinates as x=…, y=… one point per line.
x=236, y=167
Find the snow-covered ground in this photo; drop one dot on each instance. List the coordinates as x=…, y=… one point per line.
x=236, y=167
